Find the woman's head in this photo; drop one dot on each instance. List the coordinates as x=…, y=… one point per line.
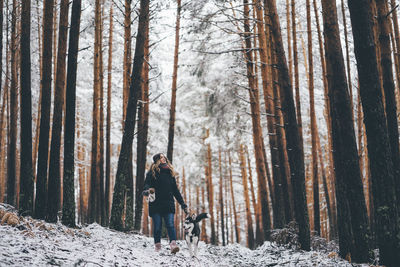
x=158, y=159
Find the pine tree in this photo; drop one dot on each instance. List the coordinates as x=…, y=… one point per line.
x=381, y=165
x=45, y=102
x=27, y=180
x=129, y=125
x=53, y=194
x=294, y=143
x=171, y=129
x=68, y=217
x=352, y=215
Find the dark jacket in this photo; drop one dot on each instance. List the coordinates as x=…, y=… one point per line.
x=166, y=189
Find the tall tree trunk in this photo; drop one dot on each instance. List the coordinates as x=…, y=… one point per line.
x=397, y=50
x=100, y=155
x=296, y=74
x=294, y=144
x=129, y=125
x=349, y=83
x=314, y=127
x=352, y=215
x=143, y=127
x=94, y=193
x=250, y=232
x=27, y=180
x=41, y=185
x=325, y=178
x=108, y=119
x=388, y=86
x=381, y=165
x=1, y=44
x=12, y=126
x=257, y=131
x=265, y=58
x=68, y=217
x=127, y=57
x=171, y=129
x=53, y=193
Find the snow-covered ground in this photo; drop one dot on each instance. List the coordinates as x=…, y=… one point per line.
x=43, y=244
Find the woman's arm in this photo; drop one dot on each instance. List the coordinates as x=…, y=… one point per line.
x=177, y=194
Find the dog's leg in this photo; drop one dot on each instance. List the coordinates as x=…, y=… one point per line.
x=189, y=245
x=196, y=244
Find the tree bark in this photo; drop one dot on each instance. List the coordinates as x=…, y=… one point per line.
x=13, y=107
x=108, y=120
x=53, y=193
x=26, y=171
x=129, y=125
x=314, y=127
x=381, y=165
x=68, y=217
x=296, y=74
x=143, y=127
x=257, y=131
x=265, y=58
x=388, y=86
x=294, y=144
x=43, y=150
x=352, y=219
x=171, y=129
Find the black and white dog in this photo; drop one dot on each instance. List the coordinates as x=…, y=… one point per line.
x=192, y=231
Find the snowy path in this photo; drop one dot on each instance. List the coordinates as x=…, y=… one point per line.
x=49, y=244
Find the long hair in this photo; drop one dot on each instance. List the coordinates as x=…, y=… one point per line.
x=155, y=168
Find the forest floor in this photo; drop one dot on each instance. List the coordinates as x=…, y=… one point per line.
x=37, y=243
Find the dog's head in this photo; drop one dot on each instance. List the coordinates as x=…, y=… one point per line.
x=189, y=221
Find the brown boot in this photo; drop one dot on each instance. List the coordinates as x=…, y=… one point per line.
x=174, y=247
x=157, y=247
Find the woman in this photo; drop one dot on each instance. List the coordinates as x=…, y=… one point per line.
x=161, y=179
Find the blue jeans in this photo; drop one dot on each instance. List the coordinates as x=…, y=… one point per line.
x=169, y=223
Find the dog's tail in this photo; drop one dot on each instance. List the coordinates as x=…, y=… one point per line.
x=202, y=216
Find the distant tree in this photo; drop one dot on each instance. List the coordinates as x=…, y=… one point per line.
x=235, y=216
x=221, y=196
x=68, y=217
x=129, y=125
x=210, y=190
x=250, y=231
x=27, y=180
